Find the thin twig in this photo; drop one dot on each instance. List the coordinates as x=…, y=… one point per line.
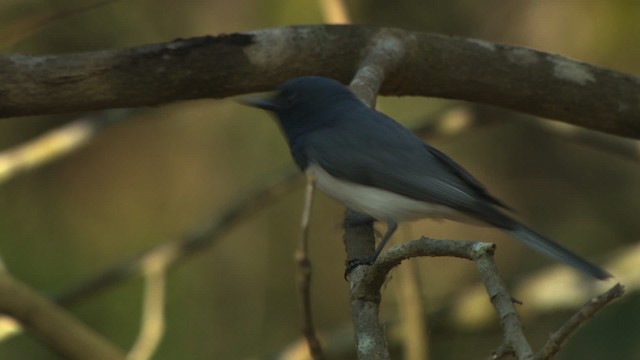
x=153, y=323
x=180, y=249
x=588, y=311
x=55, y=144
x=502, y=302
x=304, y=275
x=54, y=326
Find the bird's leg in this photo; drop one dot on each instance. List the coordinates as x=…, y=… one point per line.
x=392, y=226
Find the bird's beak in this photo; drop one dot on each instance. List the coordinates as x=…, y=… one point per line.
x=263, y=103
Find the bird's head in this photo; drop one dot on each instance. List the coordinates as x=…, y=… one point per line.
x=306, y=103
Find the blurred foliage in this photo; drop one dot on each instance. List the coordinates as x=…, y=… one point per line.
x=166, y=170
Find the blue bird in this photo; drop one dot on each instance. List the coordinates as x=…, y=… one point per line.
x=374, y=165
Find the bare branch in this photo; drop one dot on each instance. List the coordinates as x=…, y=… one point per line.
x=394, y=255
x=383, y=55
x=54, y=144
x=304, y=275
x=588, y=311
x=359, y=242
x=503, y=303
x=481, y=253
x=51, y=324
x=521, y=79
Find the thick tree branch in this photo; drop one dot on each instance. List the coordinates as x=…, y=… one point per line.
x=383, y=54
x=521, y=79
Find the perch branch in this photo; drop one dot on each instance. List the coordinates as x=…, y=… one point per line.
x=481, y=253
x=383, y=54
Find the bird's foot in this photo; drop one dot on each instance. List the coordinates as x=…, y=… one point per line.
x=354, y=263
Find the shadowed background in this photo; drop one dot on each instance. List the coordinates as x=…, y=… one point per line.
x=165, y=170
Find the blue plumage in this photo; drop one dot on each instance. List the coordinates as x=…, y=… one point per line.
x=376, y=166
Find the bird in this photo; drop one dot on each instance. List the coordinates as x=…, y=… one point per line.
x=376, y=166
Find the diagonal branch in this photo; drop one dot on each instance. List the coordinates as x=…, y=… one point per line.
x=503, y=303
x=61, y=331
x=180, y=249
x=55, y=144
x=513, y=77
x=588, y=311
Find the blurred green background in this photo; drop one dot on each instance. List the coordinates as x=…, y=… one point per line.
x=165, y=170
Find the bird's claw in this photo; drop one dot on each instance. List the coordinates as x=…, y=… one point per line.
x=354, y=263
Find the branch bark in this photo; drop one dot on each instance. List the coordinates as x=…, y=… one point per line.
x=513, y=77
x=482, y=253
x=383, y=55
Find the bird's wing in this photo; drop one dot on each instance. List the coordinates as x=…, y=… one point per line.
x=381, y=153
x=465, y=176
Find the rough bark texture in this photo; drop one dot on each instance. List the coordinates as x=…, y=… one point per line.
x=226, y=65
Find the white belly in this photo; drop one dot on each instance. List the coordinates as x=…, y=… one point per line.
x=380, y=204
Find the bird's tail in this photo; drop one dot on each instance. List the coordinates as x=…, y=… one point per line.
x=556, y=251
